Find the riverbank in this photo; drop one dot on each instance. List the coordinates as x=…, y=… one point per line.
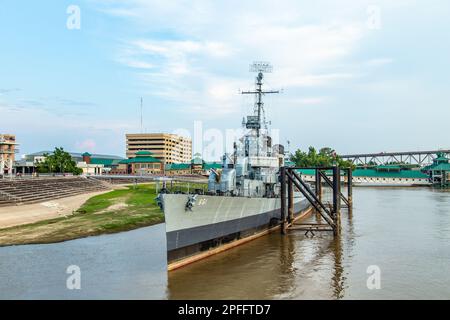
x=119, y=210
x=12, y=216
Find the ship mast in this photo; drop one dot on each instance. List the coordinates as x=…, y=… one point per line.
x=260, y=67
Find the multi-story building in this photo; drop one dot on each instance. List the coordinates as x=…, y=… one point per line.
x=8, y=150
x=168, y=148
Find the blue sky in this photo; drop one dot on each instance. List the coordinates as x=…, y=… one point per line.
x=347, y=83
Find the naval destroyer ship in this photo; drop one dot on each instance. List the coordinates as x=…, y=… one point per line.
x=243, y=198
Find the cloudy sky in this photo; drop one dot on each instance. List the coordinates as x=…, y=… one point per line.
x=358, y=76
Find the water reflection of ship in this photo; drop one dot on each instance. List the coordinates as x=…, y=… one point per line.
x=262, y=269
x=272, y=267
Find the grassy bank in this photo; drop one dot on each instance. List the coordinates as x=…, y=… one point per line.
x=115, y=211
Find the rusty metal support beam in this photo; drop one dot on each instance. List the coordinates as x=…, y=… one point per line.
x=350, y=187
x=336, y=199
x=283, y=200
x=307, y=192
x=330, y=183
x=290, y=201
x=290, y=179
x=318, y=185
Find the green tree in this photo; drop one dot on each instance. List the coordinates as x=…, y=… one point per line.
x=326, y=157
x=58, y=162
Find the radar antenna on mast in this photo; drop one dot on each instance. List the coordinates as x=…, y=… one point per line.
x=261, y=66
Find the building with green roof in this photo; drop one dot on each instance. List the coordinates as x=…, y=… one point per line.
x=212, y=165
x=289, y=163
x=196, y=166
x=97, y=165
x=439, y=171
x=143, y=163
x=383, y=176
x=91, y=164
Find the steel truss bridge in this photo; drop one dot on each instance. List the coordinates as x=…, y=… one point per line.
x=420, y=158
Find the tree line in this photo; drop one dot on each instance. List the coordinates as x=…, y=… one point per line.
x=325, y=157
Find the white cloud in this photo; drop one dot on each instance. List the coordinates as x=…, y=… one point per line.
x=195, y=54
x=215, y=43
x=316, y=79
x=132, y=63
x=378, y=62
x=308, y=101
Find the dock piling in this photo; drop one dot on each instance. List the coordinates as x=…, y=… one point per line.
x=290, y=201
x=283, y=200
x=290, y=178
x=318, y=184
x=349, y=187
x=336, y=199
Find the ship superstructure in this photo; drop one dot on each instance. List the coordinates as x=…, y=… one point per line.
x=252, y=169
x=242, y=201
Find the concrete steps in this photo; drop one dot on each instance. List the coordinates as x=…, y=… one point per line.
x=16, y=192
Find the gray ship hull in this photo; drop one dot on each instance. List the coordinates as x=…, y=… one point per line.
x=217, y=220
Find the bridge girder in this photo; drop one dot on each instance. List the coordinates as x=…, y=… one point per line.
x=420, y=158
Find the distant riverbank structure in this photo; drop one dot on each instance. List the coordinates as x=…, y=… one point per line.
x=413, y=168
x=439, y=171
x=389, y=175
x=8, y=150
x=381, y=176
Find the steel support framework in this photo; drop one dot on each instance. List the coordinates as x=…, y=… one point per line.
x=420, y=158
x=332, y=215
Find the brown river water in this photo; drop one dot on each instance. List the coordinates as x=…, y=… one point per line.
x=403, y=232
